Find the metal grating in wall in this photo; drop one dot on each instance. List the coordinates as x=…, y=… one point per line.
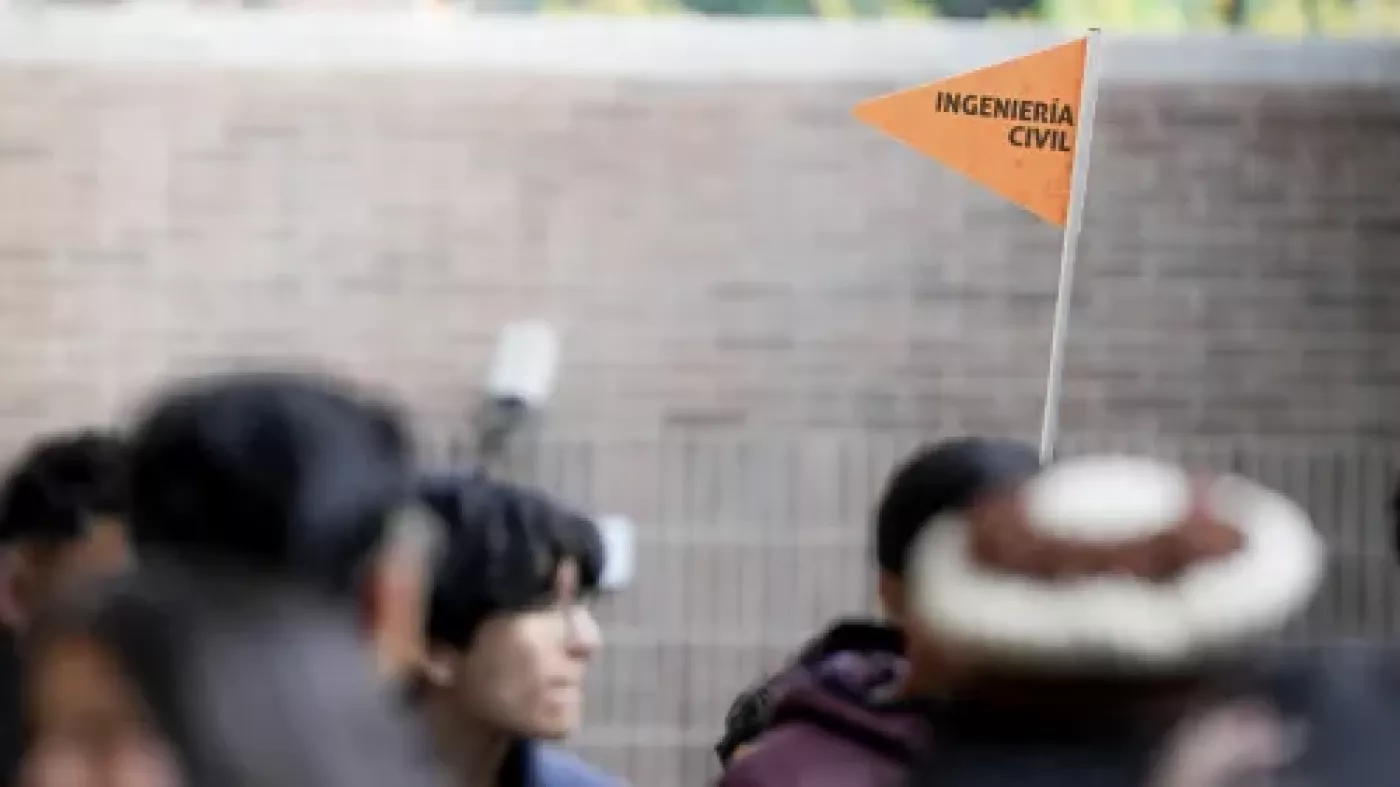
x=748, y=544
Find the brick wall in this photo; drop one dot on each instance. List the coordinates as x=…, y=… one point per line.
x=735, y=262
x=737, y=256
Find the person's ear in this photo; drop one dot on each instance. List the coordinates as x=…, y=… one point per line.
x=14, y=589
x=741, y=751
x=399, y=590
x=892, y=598
x=396, y=622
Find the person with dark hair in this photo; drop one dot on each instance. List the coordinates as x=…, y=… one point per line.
x=257, y=504
x=283, y=473
x=1112, y=619
x=510, y=634
x=844, y=712
x=63, y=513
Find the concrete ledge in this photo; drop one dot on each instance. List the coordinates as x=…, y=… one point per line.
x=676, y=49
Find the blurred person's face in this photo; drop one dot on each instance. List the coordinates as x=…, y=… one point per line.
x=36, y=570
x=523, y=673
x=89, y=725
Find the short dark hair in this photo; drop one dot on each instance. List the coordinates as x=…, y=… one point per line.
x=940, y=478
x=61, y=482
x=504, y=547
x=281, y=471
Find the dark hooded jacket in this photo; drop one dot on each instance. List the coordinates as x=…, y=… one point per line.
x=829, y=719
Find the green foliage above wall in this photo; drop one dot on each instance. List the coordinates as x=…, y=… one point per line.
x=1272, y=17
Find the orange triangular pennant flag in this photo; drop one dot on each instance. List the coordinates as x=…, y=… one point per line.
x=1010, y=127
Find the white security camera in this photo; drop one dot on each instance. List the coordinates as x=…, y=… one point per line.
x=525, y=365
x=518, y=384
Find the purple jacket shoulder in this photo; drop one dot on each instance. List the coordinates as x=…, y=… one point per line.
x=833, y=724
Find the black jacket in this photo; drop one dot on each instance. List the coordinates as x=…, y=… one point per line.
x=1345, y=701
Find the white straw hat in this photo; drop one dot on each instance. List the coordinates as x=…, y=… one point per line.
x=1115, y=560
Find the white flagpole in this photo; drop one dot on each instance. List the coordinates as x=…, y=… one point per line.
x=1074, y=220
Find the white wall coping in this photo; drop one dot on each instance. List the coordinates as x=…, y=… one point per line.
x=658, y=49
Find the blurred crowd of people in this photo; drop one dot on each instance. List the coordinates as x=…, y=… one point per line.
x=253, y=584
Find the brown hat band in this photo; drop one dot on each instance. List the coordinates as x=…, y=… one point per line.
x=1001, y=538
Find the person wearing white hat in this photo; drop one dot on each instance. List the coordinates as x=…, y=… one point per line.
x=1118, y=562
x=1118, y=611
